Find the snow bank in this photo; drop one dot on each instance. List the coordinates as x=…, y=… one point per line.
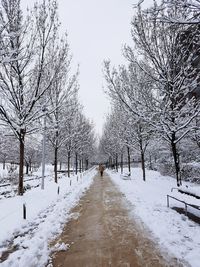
x=173, y=231
x=47, y=212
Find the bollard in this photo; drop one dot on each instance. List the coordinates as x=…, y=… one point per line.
x=167, y=201
x=185, y=209
x=58, y=190
x=77, y=178
x=24, y=211
x=70, y=182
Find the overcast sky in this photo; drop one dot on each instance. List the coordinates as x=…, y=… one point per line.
x=97, y=30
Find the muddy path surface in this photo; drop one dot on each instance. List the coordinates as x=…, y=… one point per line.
x=102, y=234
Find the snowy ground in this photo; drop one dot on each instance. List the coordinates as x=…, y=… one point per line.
x=30, y=181
x=47, y=212
x=173, y=231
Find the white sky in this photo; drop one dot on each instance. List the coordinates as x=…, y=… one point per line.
x=97, y=30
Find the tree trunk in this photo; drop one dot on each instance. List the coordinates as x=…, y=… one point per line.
x=83, y=165
x=80, y=165
x=176, y=160
x=121, y=163
x=76, y=162
x=150, y=163
x=116, y=162
x=68, y=163
x=27, y=167
x=129, y=160
x=30, y=166
x=21, y=162
x=112, y=164
x=4, y=164
x=143, y=165
x=56, y=164
x=86, y=164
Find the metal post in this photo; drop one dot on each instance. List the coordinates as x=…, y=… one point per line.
x=24, y=211
x=167, y=201
x=185, y=209
x=43, y=151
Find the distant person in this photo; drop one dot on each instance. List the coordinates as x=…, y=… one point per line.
x=101, y=169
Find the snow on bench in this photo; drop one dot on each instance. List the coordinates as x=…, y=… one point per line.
x=188, y=191
x=188, y=197
x=125, y=176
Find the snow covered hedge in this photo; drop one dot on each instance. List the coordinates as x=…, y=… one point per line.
x=189, y=171
x=166, y=168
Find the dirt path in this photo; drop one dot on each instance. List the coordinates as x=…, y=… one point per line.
x=104, y=235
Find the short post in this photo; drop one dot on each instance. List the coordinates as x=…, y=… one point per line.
x=185, y=209
x=168, y=201
x=24, y=211
x=58, y=190
x=70, y=182
x=77, y=178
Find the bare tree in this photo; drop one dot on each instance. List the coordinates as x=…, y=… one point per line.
x=161, y=45
x=32, y=155
x=62, y=90
x=190, y=9
x=132, y=90
x=25, y=66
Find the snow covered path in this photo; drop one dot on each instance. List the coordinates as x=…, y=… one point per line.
x=173, y=231
x=102, y=233
x=25, y=243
